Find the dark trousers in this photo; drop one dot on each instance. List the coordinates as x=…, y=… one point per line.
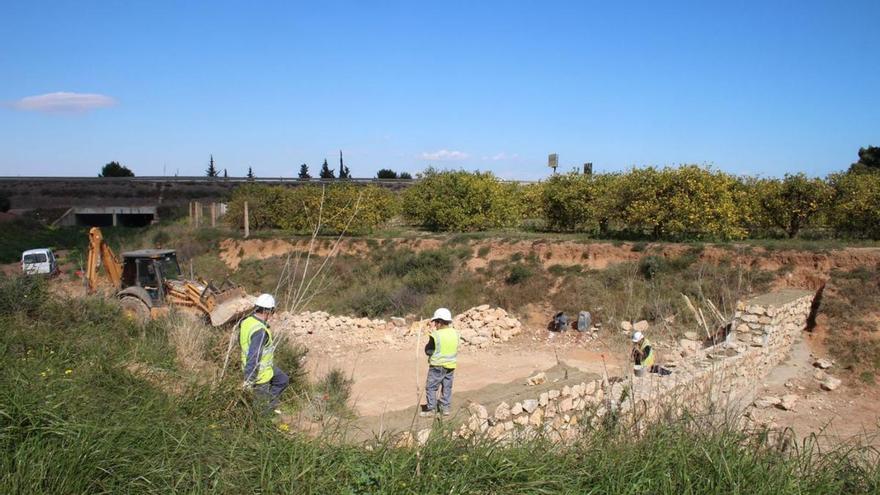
x=438, y=377
x=270, y=392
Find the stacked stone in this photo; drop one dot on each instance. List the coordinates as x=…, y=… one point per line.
x=708, y=380
x=761, y=323
x=556, y=412
x=318, y=322
x=484, y=325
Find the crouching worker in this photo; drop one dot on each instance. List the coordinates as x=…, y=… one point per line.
x=643, y=355
x=442, y=349
x=257, y=353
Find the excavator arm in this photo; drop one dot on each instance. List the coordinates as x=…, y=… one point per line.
x=98, y=248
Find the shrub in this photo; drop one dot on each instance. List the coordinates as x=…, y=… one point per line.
x=461, y=201
x=580, y=203
x=518, y=274
x=856, y=205
x=688, y=202
x=792, y=203
x=359, y=209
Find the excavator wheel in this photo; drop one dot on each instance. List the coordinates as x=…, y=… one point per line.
x=135, y=309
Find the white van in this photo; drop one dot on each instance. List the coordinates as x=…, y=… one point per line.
x=38, y=261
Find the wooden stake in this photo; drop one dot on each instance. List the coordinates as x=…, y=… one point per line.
x=213, y=214
x=247, y=221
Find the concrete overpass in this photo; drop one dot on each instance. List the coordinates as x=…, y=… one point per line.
x=106, y=216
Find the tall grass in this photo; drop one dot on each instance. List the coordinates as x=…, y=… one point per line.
x=75, y=419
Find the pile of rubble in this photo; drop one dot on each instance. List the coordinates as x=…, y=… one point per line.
x=318, y=322
x=479, y=327
x=484, y=325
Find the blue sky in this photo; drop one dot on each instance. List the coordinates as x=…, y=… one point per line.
x=763, y=87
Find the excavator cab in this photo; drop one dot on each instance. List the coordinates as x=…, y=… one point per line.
x=149, y=269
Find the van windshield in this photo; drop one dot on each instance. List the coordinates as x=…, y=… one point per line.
x=35, y=258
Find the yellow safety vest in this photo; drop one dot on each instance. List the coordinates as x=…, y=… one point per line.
x=648, y=360
x=445, y=348
x=248, y=327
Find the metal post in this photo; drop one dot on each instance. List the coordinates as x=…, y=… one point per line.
x=247, y=222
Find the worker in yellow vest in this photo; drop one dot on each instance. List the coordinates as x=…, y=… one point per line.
x=642, y=352
x=257, y=354
x=442, y=351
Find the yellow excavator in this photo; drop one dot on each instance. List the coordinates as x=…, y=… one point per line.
x=148, y=282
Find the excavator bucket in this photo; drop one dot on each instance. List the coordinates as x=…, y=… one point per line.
x=230, y=305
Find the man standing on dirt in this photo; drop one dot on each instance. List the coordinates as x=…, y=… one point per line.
x=442, y=349
x=257, y=355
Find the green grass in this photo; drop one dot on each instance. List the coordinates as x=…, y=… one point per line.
x=74, y=419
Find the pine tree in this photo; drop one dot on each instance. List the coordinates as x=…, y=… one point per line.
x=212, y=171
x=304, y=172
x=326, y=171
x=250, y=174
x=344, y=172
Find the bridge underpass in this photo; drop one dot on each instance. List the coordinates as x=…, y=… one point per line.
x=107, y=216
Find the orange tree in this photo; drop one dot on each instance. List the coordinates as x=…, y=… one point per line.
x=792, y=203
x=855, y=211
x=456, y=200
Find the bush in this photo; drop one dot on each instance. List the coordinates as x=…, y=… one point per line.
x=687, y=202
x=580, y=203
x=856, y=205
x=461, y=201
x=792, y=203
x=518, y=273
x=357, y=209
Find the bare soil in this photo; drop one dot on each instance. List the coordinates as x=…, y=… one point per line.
x=800, y=269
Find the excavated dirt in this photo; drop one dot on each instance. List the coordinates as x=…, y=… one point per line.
x=801, y=269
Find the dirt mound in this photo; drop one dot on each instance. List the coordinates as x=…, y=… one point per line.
x=234, y=251
x=797, y=268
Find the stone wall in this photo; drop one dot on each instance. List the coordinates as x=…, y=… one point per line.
x=712, y=379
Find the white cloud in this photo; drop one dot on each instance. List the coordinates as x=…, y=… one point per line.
x=64, y=102
x=497, y=157
x=444, y=155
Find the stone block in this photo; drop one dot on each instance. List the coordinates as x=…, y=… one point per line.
x=521, y=420
x=830, y=383
x=589, y=388
x=767, y=401
x=536, y=418
x=530, y=405
x=641, y=326
x=566, y=391
x=478, y=410
x=423, y=435
x=502, y=412
x=543, y=399
x=552, y=394
x=822, y=363
x=537, y=379
x=516, y=409
x=566, y=404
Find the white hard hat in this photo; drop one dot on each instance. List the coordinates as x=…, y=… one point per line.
x=637, y=337
x=266, y=301
x=442, y=314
